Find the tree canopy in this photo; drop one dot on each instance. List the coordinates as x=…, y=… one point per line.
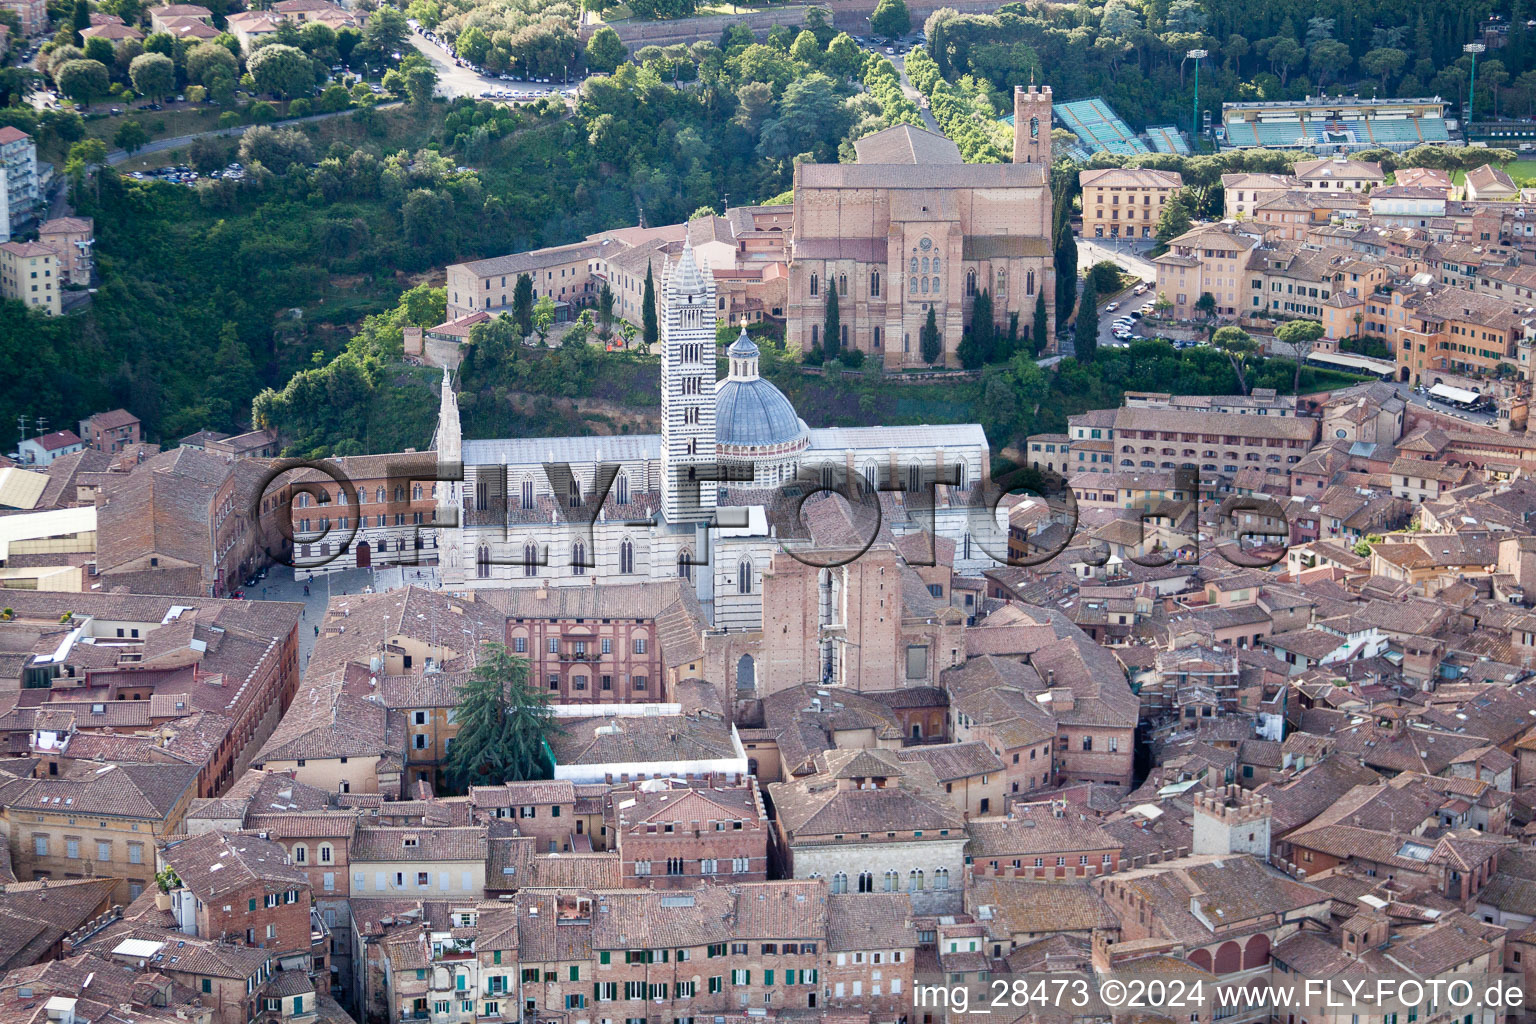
x=504, y=724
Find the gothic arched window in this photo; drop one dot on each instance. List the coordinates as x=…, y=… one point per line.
x=530, y=560
x=744, y=577
x=814, y=284
x=579, y=559
x=842, y=284
x=621, y=489
x=914, y=286
x=684, y=565
x=874, y=284
x=482, y=562
x=626, y=558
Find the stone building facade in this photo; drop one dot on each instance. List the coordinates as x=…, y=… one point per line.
x=911, y=228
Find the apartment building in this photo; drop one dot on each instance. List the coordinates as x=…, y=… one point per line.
x=238, y=887
x=681, y=838
x=1457, y=331
x=419, y=863
x=1212, y=442
x=610, y=644
x=172, y=660
x=96, y=819
x=1243, y=192
x=1338, y=173
x=18, y=156
x=1209, y=259
x=72, y=238
x=33, y=15
x=110, y=432
x=1125, y=202
x=29, y=274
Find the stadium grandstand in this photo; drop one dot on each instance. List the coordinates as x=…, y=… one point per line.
x=1099, y=128
x=1335, y=124
x=1518, y=135
x=1167, y=139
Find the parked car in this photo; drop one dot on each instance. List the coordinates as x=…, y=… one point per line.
x=1111, y=307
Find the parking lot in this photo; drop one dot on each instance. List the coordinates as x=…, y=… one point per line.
x=458, y=77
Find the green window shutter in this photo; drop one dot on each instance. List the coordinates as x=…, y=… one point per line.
x=496, y=957
x=207, y=984
x=789, y=976
x=604, y=957
x=252, y=902
x=768, y=977
x=575, y=973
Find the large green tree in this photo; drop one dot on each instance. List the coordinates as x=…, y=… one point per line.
x=282, y=71
x=650, y=325
x=1085, y=340
x=153, y=75
x=1240, y=349
x=1299, y=336
x=931, y=341
x=1066, y=279
x=522, y=304
x=606, y=51
x=1038, y=338
x=504, y=724
x=832, y=324
x=891, y=18
x=83, y=81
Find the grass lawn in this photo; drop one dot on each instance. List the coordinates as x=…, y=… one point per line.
x=1521, y=170
x=181, y=119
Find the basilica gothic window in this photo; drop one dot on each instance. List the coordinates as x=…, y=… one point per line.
x=925, y=286
x=970, y=282
x=579, y=558
x=842, y=284
x=626, y=558
x=914, y=283
x=575, y=490
x=874, y=284
x=684, y=565
x=925, y=264
x=914, y=264
x=1029, y=283
x=527, y=494
x=813, y=284
x=621, y=488
x=530, y=560
x=483, y=562
x=744, y=577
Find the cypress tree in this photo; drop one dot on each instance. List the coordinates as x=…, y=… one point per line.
x=1066, y=279
x=832, y=325
x=1042, y=325
x=932, y=342
x=1086, y=340
x=648, y=309
x=522, y=304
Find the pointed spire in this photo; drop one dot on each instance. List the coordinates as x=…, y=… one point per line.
x=449, y=433
x=686, y=278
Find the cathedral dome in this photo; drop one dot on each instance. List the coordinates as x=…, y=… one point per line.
x=752, y=413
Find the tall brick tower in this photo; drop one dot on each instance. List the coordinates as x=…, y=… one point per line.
x=1032, y=124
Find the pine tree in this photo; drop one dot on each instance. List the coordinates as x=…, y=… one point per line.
x=503, y=724
x=522, y=304
x=1086, y=339
x=832, y=326
x=652, y=332
x=1042, y=325
x=932, y=342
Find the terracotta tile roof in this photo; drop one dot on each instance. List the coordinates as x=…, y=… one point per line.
x=1013, y=906
x=821, y=805
x=951, y=761
x=218, y=863
x=374, y=843
x=146, y=791
x=867, y=921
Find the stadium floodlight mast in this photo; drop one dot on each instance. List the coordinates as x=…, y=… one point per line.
x=1474, y=49
x=1194, y=119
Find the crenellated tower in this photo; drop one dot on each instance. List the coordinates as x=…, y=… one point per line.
x=1032, y=124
